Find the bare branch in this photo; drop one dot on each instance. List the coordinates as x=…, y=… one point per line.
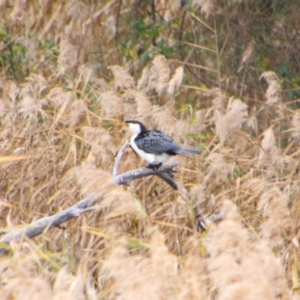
x=165, y=172
x=119, y=157
x=40, y=226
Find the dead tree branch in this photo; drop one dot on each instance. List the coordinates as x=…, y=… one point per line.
x=165, y=172
x=42, y=225
x=118, y=158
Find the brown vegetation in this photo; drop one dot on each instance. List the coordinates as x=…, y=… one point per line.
x=73, y=71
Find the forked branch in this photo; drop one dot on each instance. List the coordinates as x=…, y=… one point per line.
x=42, y=225
x=165, y=172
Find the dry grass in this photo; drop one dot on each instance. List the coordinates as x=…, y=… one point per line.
x=60, y=130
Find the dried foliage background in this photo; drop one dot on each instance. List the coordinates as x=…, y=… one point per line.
x=222, y=76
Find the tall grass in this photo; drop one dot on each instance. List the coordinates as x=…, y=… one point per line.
x=65, y=118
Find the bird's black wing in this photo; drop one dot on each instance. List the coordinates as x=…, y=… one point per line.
x=156, y=142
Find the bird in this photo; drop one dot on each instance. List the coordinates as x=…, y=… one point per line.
x=154, y=146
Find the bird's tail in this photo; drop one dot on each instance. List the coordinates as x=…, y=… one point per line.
x=188, y=151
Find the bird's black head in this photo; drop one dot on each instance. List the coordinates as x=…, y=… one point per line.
x=136, y=126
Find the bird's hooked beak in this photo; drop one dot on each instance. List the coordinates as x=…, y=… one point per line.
x=136, y=127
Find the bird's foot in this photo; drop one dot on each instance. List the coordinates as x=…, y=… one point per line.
x=154, y=167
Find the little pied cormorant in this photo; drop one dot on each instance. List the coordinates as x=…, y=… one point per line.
x=153, y=145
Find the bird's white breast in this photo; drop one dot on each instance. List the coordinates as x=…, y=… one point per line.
x=149, y=157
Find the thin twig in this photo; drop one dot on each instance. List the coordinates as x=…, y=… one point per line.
x=218, y=217
x=118, y=158
x=117, y=24
x=204, y=223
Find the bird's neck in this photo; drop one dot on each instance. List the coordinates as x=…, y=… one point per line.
x=143, y=128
